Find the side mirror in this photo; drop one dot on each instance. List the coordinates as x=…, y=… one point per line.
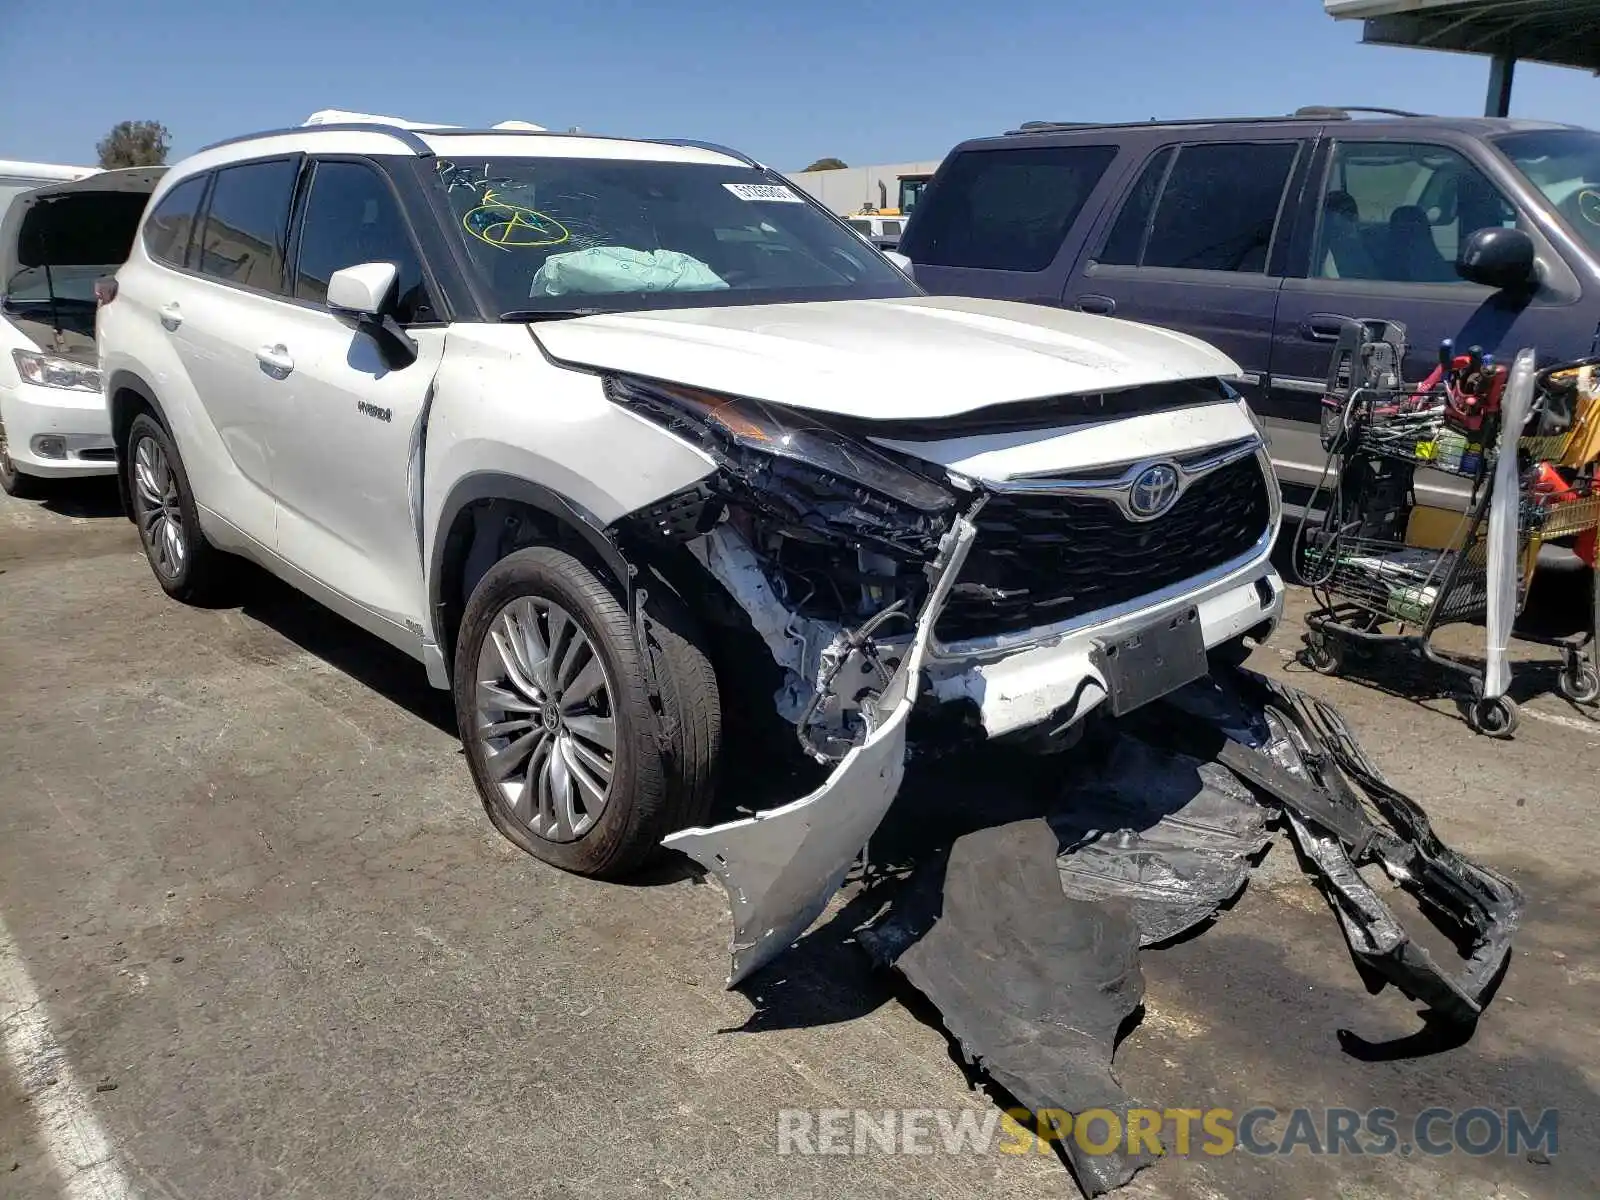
x=1498, y=258
x=366, y=292
x=901, y=261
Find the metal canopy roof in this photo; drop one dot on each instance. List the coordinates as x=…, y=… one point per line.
x=1565, y=33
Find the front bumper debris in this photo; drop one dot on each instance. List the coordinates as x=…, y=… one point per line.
x=1026, y=935
x=1344, y=815
x=780, y=868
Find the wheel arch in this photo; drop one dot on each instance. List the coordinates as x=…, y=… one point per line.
x=127, y=396
x=529, y=514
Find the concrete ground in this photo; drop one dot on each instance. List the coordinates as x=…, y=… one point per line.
x=257, y=939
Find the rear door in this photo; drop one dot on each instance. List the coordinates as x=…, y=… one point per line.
x=218, y=313
x=1388, y=216
x=996, y=222
x=1197, y=243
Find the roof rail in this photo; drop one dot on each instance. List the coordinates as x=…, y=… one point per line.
x=1312, y=112
x=407, y=137
x=1339, y=111
x=692, y=144
x=1028, y=127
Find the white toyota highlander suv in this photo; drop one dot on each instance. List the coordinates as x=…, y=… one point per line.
x=617, y=437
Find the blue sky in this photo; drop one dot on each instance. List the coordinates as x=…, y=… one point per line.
x=868, y=82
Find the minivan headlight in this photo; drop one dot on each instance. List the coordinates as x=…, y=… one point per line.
x=48, y=370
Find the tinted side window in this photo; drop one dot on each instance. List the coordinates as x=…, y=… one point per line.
x=1220, y=206
x=1125, y=243
x=351, y=217
x=166, y=230
x=1006, y=210
x=247, y=223
x=1399, y=212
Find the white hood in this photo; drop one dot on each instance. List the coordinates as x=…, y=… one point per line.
x=921, y=357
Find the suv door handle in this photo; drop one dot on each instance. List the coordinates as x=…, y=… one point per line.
x=1322, y=327
x=1100, y=306
x=171, y=316
x=275, y=359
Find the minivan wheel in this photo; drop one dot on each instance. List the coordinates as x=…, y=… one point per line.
x=187, y=567
x=12, y=481
x=572, y=761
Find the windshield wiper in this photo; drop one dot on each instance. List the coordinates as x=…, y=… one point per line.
x=550, y=314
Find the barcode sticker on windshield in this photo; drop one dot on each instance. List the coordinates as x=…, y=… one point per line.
x=763, y=191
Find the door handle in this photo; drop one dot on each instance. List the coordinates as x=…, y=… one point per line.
x=1100, y=306
x=171, y=316
x=275, y=360
x=1322, y=327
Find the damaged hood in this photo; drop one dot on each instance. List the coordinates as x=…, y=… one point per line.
x=919, y=357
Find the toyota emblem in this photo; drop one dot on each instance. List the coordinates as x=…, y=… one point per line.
x=1154, y=490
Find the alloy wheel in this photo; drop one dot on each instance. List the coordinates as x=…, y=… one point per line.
x=157, y=509
x=545, y=720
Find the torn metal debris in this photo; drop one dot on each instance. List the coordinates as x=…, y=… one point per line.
x=780, y=868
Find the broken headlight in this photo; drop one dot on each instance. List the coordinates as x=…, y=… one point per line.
x=797, y=469
x=783, y=433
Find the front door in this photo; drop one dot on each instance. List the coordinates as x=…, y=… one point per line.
x=1195, y=245
x=348, y=453
x=1390, y=217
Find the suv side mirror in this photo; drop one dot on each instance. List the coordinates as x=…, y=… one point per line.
x=366, y=292
x=901, y=261
x=1498, y=258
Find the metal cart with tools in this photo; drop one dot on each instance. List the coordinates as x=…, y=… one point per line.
x=1561, y=502
x=1371, y=587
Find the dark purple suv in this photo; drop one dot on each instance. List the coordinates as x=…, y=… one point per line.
x=1258, y=235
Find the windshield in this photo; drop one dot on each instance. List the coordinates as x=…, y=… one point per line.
x=1564, y=164
x=600, y=235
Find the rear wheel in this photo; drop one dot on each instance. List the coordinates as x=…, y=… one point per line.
x=187, y=567
x=12, y=481
x=1579, y=681
x=572, y=760
x=1324, y=652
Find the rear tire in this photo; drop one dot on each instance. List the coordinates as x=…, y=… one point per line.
x=185, y=564
x=573, y=759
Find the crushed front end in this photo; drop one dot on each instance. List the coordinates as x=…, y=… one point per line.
x=1036, y=562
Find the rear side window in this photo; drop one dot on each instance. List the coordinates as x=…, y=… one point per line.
x=1125, y=243
x=247, y=223
x=1005, y=210
x=351, y=217
x=166, y=231
x=1219, y=207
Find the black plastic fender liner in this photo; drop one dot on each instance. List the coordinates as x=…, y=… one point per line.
x=1343, y=814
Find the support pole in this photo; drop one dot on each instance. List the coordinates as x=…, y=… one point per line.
x=1502, y=67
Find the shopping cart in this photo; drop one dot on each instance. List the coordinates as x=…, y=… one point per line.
x=1370, y=586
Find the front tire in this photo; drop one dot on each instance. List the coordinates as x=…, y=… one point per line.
x=572, y=761
x=12, y=481
x=187, y=567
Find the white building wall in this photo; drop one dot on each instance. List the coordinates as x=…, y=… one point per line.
x=850, y=189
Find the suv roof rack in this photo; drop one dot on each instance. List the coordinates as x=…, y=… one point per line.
x=410, y=136
x=1308, y=113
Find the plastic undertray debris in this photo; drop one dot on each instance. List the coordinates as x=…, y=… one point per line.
x=1026, y=936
